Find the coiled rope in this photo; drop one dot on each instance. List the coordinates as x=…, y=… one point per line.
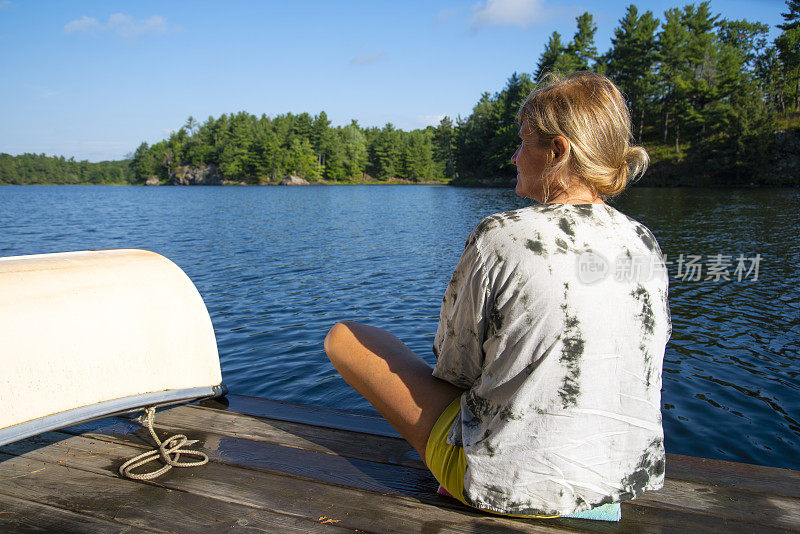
x=170, y=446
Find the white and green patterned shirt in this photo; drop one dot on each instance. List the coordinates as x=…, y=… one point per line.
x=555, y=323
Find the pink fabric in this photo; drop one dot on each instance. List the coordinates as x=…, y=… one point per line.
x=444, y=492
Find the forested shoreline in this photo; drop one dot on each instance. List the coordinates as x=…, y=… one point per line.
x=712, y=100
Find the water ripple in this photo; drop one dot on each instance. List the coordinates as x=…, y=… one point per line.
x=278, y=266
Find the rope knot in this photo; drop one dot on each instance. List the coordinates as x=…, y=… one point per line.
x=171, y=446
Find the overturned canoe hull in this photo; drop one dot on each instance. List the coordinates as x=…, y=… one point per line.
x=88, y=334
x=105, y=409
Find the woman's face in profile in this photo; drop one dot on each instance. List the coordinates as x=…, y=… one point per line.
x=531, y=161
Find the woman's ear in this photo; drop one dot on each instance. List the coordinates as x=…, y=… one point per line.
x=560, y=147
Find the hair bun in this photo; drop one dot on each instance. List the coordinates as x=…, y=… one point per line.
x=636, y=161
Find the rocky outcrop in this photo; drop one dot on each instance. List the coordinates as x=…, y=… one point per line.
x=153, y=180
x=294, y=180
x=201, y=175
x=787, y=161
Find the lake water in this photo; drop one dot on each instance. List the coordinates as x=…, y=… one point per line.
x=278, y=266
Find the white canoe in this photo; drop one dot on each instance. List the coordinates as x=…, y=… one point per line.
x=87, y=334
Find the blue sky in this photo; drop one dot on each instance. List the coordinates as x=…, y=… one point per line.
x=94, y=79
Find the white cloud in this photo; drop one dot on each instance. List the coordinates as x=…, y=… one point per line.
x=366, y=59
x=83, y=25
x=521, y=13
x=121, y=24
x=127, y=26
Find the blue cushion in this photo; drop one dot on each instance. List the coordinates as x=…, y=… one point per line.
x=605, y=512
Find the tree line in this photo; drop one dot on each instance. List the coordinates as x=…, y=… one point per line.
x=41, y=169
x=260, y=150
x=701, y=89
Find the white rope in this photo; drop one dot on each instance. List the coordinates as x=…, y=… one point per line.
x=170, y=446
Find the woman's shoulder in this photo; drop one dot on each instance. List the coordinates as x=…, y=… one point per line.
x=541, y=216
x=499, y=226
x=557, y=229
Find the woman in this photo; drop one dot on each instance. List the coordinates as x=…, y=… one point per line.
x=545, y=399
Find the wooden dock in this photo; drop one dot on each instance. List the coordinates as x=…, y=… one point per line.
x=282, y=467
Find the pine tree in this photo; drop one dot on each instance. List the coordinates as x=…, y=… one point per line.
x=672, y=44
x=768, y=71
x=191, y=125
x=355, y=150
x=473, y=136
x=552, y=51
x=506, y=128
x=145, y=164
x=688, y=73
x=632, y=60
x=444, y=147
x=582, y=45
x=417, y=156
x=266, y=162
x=579, y=54
x=788, y=46
x=747, y=38
x=303, y=126
x=303, y=162
x=385, y=160
x=319, y=127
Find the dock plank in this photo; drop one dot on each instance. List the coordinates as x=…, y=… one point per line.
x=398, y=451
x=58, y=483
x=351, y=508
x=678, y=467
x=370, y=511
x=371, y=447
x=325, y=467
x=22, y=515
x=337, y=471
x=636, y=520
x=303, y=413
x=753, y=507
x=735, y=475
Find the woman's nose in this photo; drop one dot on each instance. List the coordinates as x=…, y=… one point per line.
x=514, y=157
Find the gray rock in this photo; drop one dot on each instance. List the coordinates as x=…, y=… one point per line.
x=294, y=180
x=153, y=180
x=201, y=175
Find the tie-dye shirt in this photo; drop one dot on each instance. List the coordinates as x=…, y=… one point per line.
x=555, y=323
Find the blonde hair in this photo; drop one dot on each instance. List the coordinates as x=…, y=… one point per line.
x=590, y=112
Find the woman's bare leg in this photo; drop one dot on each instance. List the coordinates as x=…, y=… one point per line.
x=396, y=381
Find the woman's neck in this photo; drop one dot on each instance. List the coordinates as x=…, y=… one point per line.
x=576, y=195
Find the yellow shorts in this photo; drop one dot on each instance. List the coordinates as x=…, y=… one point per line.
x=447, y=463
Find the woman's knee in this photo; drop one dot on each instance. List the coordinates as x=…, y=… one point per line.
x=340, y=335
